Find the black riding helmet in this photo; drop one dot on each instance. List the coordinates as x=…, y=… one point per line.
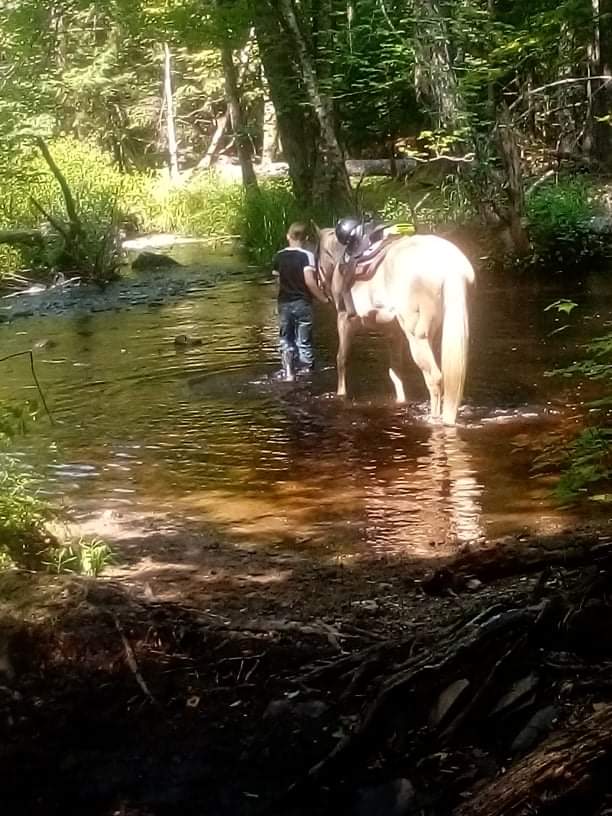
x=345, y=228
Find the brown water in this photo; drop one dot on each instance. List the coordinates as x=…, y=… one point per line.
x=210, y=435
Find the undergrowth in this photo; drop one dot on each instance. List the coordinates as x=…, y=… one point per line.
x=27, y=538
x=560, y=218
x=585, y=463
x=208, y=206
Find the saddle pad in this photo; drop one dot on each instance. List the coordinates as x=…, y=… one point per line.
x=366, y=267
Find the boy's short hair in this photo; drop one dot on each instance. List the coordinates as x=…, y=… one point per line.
x=298, y=231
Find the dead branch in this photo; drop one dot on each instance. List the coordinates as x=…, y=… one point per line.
x=75, y=221
x=511, y=556
x=538, y=182
x=131, y=661
x=57, y=225
x=34, y=376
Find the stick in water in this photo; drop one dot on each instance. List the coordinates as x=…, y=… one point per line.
x=34, y=376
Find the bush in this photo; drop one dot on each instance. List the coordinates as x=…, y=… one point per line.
x=102, y=196
x=23, y=535
x=205, y=207
x=264, y=217
x=560, y=223
x=585, y=464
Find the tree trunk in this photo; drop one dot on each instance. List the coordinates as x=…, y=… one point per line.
x=170, y=123
x=333, y=182
x=296, y=126
x=435, y=78
x=243, y=145
x=270, y=132
x=511, y=161
x=208, y=157
x=600, y=90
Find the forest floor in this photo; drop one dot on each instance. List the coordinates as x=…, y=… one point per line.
x=243, y=683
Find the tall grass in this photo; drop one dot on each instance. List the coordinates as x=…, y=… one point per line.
x=33, y=199
x=211, y=208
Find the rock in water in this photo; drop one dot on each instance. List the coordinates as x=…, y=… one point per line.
x=153, y=260
x=184, y=341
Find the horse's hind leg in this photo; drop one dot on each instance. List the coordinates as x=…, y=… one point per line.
x=345, y=333
x=397, y=355
x=424, y=357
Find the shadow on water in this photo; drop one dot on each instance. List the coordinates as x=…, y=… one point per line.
x=209, y=432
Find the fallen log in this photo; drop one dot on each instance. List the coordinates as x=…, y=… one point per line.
x=29, y=237
x=379, y=167
x=563, y=775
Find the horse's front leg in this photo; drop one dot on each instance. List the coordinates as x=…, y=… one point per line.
x=345, y=333
x=336, y=288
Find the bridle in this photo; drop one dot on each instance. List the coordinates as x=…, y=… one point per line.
x=323, y=279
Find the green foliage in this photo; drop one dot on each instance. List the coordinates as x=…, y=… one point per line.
x=26, y=539
x=562, y=305
x=84, y=557
x=265, y=215
x=559, y=217
x=103, y=196
x=586, y=463
x=206, y=207
x=23, y=536
x=212, y=208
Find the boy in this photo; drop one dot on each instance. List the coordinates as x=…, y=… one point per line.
x=297, y=286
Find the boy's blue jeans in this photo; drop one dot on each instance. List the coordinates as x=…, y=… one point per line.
x=295, y=329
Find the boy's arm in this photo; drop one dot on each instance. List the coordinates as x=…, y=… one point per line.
x=313, y=287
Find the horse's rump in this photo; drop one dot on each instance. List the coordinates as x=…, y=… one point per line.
x=430, y=257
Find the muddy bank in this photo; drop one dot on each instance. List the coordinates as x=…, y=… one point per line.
x=147, y=289
x=412, y=699
x=183, y=268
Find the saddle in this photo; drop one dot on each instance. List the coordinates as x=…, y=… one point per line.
x=362, y=261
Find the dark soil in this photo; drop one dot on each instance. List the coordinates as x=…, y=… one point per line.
x=113, y=703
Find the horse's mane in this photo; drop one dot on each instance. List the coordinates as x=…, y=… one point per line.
x=328, y=251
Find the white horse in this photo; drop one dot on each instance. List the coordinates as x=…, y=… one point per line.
x=422, y=285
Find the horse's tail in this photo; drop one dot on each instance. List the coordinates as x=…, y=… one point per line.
x=455, y=337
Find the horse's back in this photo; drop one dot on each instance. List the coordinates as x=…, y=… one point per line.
x=429, y=258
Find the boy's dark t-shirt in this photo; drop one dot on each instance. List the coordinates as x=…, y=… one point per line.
x=290, y=264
